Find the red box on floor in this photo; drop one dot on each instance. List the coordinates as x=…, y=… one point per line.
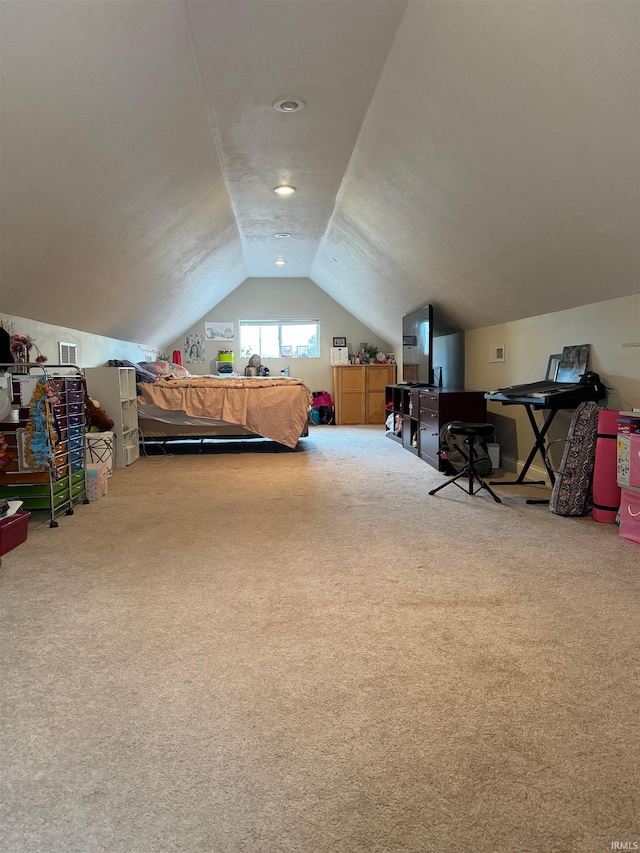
x=13, y=531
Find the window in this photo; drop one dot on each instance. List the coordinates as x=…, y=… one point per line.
x=280, y=338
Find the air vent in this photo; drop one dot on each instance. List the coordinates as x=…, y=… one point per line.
x=68, y=353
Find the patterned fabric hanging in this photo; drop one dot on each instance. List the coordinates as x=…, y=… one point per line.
x=4, y=451
x=40, y=433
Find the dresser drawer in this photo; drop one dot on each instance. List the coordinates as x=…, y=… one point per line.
x=429, y=444
x=429, y=401
x=430, y=417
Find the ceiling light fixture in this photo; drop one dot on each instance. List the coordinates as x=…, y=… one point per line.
x=280, y=263
x=284, y=190
x=289, y=105
x=282, y=235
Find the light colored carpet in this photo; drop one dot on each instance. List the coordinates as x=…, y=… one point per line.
x=305, y=653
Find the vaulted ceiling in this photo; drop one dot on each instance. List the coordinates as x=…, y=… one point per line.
x=483, y=156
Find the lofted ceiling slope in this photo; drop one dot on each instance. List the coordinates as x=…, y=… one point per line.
x=483, y=156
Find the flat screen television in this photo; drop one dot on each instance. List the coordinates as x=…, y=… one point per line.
x=432, y=349
x=417, y=346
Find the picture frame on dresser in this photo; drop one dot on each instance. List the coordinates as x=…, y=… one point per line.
x=339, y=342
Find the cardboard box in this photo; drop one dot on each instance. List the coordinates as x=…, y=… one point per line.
x=628, y=425
x=13, y=530
x=623, y=451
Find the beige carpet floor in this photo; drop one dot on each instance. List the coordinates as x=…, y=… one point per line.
x=303, y=652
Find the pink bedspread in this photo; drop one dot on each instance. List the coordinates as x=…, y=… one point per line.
x=274, y=408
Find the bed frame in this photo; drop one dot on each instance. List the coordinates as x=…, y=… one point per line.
x=156, y=436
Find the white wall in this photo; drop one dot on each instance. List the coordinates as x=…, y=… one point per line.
x=528, y=343
x=93, y=350
x=282, y=298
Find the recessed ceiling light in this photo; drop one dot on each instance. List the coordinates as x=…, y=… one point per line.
x=280, y=263
x=289, y=105
x=284, y=190
x=282, y=235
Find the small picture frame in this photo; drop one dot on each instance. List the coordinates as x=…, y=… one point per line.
x=552, y=367
x=302, y=352
x=573, y=363
x=339, y=342
x=286, y=352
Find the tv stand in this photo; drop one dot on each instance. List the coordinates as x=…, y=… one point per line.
x=421, y=412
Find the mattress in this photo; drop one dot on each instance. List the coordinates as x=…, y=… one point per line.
x=271, y=408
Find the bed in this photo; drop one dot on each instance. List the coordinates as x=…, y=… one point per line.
x=200, y=407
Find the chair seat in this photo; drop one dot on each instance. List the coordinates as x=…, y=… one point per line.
x=468, y=429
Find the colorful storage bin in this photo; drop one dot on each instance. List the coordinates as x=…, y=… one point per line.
x=97, y=481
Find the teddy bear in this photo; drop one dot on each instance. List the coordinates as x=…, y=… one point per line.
x=97, y=419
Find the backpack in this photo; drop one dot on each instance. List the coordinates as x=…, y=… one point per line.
x=323, y=405
x=455, y=451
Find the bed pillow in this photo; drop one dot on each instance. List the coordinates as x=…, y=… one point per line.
x=167, y=368
x=142, y=374
x=178, y=370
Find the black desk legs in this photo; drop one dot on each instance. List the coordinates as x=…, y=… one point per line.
x=538, y=447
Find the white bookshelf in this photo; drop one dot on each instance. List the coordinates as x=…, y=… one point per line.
x=115, y=388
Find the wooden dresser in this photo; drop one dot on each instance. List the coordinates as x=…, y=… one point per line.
x=359, y=392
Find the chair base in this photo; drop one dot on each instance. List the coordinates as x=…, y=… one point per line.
x=470, y=475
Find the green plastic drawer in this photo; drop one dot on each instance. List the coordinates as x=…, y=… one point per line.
x=59, y=498
x=39, y=492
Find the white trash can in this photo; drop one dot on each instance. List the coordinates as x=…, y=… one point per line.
x=494, y=455
x=99, y=448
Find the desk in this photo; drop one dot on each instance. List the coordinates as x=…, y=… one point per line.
x=550, y=397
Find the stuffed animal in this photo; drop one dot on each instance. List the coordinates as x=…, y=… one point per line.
x=97, y=419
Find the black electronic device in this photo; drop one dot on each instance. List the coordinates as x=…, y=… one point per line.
x=432, y=349
x=417, y=342
x=549, y=395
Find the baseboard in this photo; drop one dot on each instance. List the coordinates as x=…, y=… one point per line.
x=515, y=466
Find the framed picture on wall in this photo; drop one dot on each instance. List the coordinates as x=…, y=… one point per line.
x=339, y=342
